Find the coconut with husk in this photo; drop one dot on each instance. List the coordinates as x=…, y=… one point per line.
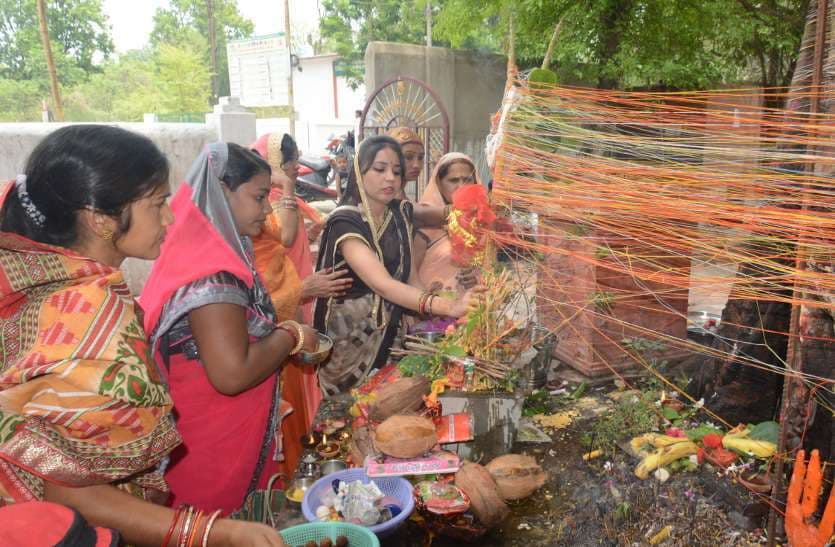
x=517, y=476
x=405, y=436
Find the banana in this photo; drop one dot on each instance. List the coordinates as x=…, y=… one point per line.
x=665, y=455
x=655, y=439
x=749, y=447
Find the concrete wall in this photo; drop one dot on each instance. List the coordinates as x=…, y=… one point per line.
x=180, y=142
x=470, y=85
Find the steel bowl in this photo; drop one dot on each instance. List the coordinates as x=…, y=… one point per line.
x=317, y=357
x=295, y=493
x=429, y=336
x=332, y=466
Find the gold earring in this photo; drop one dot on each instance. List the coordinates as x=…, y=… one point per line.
x=106, y=234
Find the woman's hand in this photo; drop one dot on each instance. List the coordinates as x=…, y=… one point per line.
x=280, y=180
x=311, y=339
x=472, y=299
x=314, y=231
x=248, y=534
x=468, y=277
x=326, y=283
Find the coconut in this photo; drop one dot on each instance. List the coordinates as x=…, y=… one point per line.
x=516, y=476
x=485, y=501
x=402, y=396
x=405, y=436
x=362, y=444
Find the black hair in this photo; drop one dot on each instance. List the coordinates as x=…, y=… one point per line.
x=242, y=165
x=289, y=149
x=368, y=150
x=101, y=167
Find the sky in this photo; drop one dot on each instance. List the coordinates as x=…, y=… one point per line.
x=132, y=20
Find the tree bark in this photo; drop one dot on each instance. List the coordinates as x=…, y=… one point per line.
x=210, y=19
x=50, y=62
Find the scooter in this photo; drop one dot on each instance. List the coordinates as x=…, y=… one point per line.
x=313, y=183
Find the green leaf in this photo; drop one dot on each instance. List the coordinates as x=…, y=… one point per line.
x=454, y=350
x=543, y=76
x=579, y=390
x=669, y=413
x=765, y=431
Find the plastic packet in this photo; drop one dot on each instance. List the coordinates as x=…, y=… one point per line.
x=361, y=503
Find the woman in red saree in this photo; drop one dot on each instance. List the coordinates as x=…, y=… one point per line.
x=214, y=326
x=85, y=416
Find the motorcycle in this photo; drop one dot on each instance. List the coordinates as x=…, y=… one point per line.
x=316, y=181
x=313, y=183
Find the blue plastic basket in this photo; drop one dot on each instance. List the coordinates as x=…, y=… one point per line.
x=398, y=489
x=358, y=536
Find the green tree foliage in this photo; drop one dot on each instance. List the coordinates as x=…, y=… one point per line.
x=80, y=36
x=169, y=80
x=673, y=44
x=348, y=26
x=182, y=79
x=184, y=19
x=642, y=43
x=19, y=100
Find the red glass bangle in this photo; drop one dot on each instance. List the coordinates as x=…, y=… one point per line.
x=173, y=526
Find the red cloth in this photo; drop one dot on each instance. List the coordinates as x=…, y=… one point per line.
x=205, y=254
x=45, y=523
x=222, y=438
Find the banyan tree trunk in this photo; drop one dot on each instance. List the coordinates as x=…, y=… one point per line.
x=742, y=393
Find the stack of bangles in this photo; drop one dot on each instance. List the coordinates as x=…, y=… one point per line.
x=425, y=302
x=289, y=203
x=190, y=528
x=296, y=333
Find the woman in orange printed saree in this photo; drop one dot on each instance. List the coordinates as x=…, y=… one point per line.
x=85, y=418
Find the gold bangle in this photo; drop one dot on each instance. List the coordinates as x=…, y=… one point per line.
x=299, y=332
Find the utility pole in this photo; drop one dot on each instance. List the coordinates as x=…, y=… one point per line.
x=50, y=62
x=290, y=73
x=210, y=19
x=428, y=13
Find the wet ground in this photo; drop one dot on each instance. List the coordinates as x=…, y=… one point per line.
x=601, y=502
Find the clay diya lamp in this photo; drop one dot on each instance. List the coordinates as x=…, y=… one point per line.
x=344, y=437
x=328, y=449
x=309, y=441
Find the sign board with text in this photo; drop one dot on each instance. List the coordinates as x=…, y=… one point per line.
x=259, y=68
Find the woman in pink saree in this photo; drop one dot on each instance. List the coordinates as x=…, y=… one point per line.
x=212, y=323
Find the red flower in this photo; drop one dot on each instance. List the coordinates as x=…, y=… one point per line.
x=712, y=440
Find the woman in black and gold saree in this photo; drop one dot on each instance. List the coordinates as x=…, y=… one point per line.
x=370, y=234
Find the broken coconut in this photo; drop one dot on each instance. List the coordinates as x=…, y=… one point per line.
x=362, y=444
x=480, y=486
x=405, y=436
x=402, y=396
x=516, y=476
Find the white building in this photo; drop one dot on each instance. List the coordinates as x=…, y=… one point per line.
x=325, y=104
